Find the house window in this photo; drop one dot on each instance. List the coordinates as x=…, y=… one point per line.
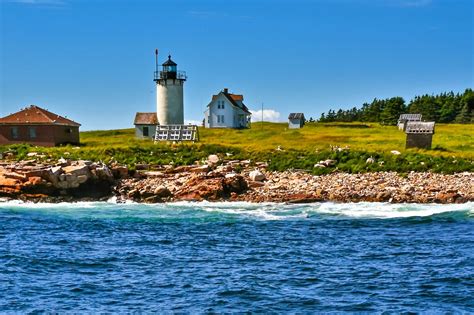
x=222, y=118
x=14, y=132
x=68, y=130
x=220, y=104
x=32, y=132
x=146, y=132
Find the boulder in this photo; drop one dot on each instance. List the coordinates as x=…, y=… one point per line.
x=257, y=176
x=77, y=170
x=213, y=159
x=162, y=192
x=120, y=172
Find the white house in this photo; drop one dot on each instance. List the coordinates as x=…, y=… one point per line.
x=227, y=110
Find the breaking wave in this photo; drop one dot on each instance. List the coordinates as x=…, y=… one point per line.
x=244, y=210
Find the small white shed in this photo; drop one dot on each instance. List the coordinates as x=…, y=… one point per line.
x=296, y=120
x=145, y=125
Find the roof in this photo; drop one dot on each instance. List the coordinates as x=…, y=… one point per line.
x=420, y=127
x=169, y=62
x=36, y=115
x=410, y=117
x=296, y=116
x=233, y=98
x=146, y=119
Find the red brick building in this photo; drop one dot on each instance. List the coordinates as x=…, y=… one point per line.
x=38, y=126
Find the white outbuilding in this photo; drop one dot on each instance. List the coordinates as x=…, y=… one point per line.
x=227, y=110
x=296, y=120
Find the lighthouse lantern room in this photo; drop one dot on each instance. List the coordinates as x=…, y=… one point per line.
x=169, y=92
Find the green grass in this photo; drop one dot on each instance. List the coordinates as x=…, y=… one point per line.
x=453, y=147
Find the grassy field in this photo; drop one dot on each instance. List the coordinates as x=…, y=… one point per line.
x=453, y=147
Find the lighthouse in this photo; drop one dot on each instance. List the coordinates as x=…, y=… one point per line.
x=169, y=92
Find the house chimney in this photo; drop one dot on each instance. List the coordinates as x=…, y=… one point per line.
x=226, y=90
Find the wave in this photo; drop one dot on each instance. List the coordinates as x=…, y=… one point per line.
x=263, y=211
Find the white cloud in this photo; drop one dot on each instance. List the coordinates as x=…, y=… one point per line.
x=193, y=122
x=268, y=115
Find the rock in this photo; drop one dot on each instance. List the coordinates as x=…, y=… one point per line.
x=200, y=169
x=235, y=184
x=30, y=154
x=257, y=176
x=77, y=170
x=120, y=172
x=254, y=184
x=213, y=159
x=395, y=152
x=162, y=192
x=142, y=167
x=63, y=162
x=82, y=179
x=319, y=165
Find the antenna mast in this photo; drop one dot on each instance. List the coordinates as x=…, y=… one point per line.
x=156, y=62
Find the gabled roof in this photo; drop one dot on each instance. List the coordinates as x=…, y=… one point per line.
x=37, y=115
x=296, y=116
x=146, y=119
x=233, y=98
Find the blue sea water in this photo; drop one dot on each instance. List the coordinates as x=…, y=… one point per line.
x=236, y=257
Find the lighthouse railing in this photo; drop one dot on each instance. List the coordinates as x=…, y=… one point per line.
x=161, y=75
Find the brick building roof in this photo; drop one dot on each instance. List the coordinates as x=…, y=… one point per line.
x=34, y=115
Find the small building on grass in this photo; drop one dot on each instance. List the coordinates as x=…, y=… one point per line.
x=296, y=120
x=405, y=118
x=227, y=110
x=37, y=126
x=419, y=134
x=145, y=125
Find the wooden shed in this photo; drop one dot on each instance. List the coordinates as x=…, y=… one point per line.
x=37, y=126
x=296, y=120
x=419, y=134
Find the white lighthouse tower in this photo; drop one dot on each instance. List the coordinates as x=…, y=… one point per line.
x=169, y=93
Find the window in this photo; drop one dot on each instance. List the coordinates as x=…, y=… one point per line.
x=220, y=119
x=14, y=132
x=146, y=132
x=68, y=130
x=220, y=104
x=32, y=132
x=222, y=116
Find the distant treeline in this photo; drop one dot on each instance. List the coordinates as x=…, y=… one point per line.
x=442, y=108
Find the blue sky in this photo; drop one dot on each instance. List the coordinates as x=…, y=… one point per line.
x=93, y=60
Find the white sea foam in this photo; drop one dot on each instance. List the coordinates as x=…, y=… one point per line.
x=263, y=211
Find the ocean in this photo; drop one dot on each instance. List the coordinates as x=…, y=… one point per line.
x=236, y=257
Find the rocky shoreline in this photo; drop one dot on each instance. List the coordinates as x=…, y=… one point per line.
x=221, y=180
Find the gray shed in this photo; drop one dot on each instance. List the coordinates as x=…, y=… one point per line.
x=419, y=134
x=145, y=125
x=296, y=120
